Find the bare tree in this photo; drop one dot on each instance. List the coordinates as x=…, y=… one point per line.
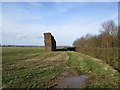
x=108, y=37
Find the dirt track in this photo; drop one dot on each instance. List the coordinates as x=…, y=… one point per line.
x=68, y=78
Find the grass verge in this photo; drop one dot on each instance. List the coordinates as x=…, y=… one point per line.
x=102, y=75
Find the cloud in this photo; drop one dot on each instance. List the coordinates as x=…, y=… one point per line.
x=0, y=23
x=68, y=6
x=60, y=0
x=65, y=33
x=21, y=36
x=36, y=4
x=22, y=12
x=28, y=27
x=62, y=8
x=30, y=32
x=113, y=17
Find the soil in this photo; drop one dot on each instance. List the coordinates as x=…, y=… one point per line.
x=68, y=78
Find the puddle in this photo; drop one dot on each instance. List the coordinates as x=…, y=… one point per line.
x=72, y=82
x=68, y=78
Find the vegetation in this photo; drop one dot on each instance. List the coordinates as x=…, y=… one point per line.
x=103, y=46
x=102, y=75
x=109, y=55
x=31, y=67
x=108, y=37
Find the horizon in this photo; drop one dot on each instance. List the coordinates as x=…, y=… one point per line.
x=31, y=45
x=25, y=22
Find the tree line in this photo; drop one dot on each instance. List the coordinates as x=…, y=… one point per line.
x=108, y=37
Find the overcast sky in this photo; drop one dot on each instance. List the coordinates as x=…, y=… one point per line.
x=23, y=23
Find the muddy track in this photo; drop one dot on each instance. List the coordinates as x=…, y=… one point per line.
x=52, y=60
x=59, y=80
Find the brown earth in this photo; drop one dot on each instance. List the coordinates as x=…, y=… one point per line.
x=68, y=72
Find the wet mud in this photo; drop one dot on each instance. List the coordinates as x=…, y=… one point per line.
x=68, y=78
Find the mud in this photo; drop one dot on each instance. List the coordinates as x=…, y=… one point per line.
x=72, y=82
x=72, y=79
x=68, y=78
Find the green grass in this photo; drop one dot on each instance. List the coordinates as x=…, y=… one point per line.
x=109, y=55
x=31, y=67
x=28, y=67
x=102, y=75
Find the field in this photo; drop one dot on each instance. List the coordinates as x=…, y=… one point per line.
x=33, y=67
